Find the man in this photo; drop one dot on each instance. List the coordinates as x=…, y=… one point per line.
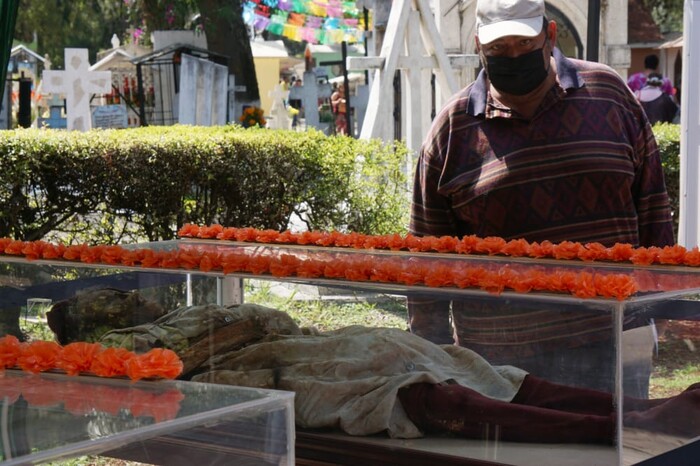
x=539, y=147
x=638, y=80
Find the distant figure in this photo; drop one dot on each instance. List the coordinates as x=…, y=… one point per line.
x=339, y=107
x=659, y=106
x=295, y=103
x=638, y=80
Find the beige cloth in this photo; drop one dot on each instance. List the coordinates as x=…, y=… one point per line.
x=349, y=378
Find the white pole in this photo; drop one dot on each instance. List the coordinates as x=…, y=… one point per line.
x=689, y=228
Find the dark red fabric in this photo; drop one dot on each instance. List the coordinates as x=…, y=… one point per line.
x=463, y=411
x=544, y=394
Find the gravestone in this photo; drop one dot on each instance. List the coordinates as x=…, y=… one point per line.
x=56, y=120
x=77, y=83
x=278, y=111
x=203, y=92
x=311, y=92
x=110, y=116
x=234, y=107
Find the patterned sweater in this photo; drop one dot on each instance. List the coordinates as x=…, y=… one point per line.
x=584, y=168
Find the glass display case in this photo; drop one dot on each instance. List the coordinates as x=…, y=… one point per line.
x=50, y=416
x=619, y=299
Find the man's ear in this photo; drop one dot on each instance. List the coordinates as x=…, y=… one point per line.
x=477, y=44
x=552, y=33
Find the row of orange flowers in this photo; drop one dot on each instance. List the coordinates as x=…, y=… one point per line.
x=672, y=255
x=82, y=357
x=160, y=404
x=493, y=278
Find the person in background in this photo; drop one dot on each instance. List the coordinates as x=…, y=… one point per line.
x=659, y=106
x=295, y=103
x=339, y=108
x=544, y=148
x=638, y=80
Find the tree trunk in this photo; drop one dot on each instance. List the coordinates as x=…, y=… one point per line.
x=227, y=35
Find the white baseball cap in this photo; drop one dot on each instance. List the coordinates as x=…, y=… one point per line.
x=498, y=18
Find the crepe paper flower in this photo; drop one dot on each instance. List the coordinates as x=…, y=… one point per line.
x=516, y=248
x=10, y=350
x=541, y=249
x=617, y=286
x=111, y=362
x=14, y=248
x=621, y=252
x=644, y=256
x=38, y=356
x=674, y=255
x=286, y=266
x=259, y=265
x=566, y=250
x=210, y=262
x=77, y=357
x=74, y=252
x=311, y=268
x=152, y=259
x=53, y=251
x=692, y=258
x=4, y=242
x=593, y=252
x=387, y=271
x=266, y=236
x=490, y=245
x=185, y=259
x=156, y=363
x=112, y=255
x=234, y=262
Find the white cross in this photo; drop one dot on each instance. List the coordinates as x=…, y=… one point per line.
x=77, y=83
x=278, y=110
x=310, y=93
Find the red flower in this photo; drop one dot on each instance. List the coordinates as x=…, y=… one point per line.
x=10, y=351
x=111, y=362
x=38, y=356
x=77, y=357
x=157, y=363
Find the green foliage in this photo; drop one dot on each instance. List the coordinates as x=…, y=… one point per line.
x=121, y=185
x=668, y=14
x=668, y=138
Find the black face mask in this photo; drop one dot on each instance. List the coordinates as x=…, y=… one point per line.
x=518, y=75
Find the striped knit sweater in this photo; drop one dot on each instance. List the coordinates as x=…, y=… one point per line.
x=584, y=168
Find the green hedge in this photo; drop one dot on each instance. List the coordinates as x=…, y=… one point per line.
x=668, y=137
x=145, y=183
x=135, y=184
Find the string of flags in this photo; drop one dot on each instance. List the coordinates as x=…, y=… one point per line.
x=314, y=21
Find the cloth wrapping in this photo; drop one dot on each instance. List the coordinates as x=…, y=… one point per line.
x=349, y=378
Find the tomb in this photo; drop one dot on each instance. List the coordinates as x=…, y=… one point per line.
x=198, y=271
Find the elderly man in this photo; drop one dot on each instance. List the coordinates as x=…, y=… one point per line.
x=545, y=148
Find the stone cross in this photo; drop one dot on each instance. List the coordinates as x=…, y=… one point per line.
x=77, y=83
x=278, y=111
x=310, y=92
